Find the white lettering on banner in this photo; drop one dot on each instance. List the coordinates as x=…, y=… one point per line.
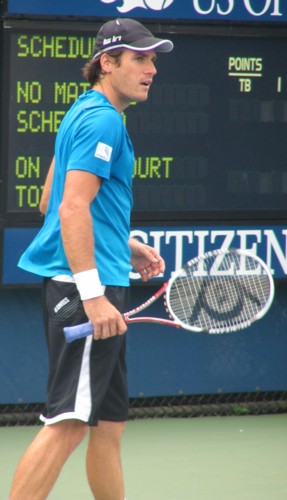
x=229, y=9
x=128, y=5
x=218, y=270
x=199, y=10
x=246, y=235
x=183, y=244
x=179, y=238
x=205, y=8
x=213, y=4
x=268, y=4
x=156, y=235
x=201, y=247
x=141, y=235
x=255, y=8
x=228, y=237
x=272, y=244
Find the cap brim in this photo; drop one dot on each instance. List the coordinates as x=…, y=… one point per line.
x=145, y=44
x=153, y=44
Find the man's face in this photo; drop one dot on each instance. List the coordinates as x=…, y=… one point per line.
x=132, y=78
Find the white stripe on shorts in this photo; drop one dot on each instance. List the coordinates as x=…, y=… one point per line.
x=83, y=403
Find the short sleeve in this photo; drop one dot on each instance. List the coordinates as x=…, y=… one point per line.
x=96, y=141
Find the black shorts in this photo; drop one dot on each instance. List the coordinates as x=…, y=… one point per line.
x=87, y=379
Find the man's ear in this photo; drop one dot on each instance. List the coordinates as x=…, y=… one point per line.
x=106, y=63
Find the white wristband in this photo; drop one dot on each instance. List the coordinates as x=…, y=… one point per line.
x=88, y=284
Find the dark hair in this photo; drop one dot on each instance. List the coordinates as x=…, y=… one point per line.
x=93, y=72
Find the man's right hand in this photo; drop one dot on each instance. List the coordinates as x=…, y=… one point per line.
x=107, y=320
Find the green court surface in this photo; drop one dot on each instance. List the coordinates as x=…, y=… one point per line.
x=211, y=458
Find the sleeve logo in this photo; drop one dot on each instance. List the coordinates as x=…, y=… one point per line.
x=103, y=151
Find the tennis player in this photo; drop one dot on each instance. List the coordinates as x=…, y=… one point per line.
x=85, y=254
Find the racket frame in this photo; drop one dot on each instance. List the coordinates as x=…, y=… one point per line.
x=225, y=329
x=87, y=328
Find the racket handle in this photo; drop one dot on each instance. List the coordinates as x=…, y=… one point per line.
x=78, y=331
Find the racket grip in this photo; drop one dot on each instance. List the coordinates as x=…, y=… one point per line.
x=78, y=331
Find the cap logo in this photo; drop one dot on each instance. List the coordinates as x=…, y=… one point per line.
x=114, y=39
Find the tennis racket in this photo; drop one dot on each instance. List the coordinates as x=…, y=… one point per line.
x=219, y=292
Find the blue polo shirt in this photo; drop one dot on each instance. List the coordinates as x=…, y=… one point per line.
x=92, y=137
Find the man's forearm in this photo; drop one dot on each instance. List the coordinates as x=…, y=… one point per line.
x=77, y=236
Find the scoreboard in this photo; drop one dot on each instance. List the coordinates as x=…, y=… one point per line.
x=210, y=143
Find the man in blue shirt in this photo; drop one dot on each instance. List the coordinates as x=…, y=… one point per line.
x=85, y=254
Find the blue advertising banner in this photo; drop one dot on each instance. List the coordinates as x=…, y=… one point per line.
x=203, y=10
x=176, y=245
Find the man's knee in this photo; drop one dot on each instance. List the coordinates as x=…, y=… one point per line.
x=69, y=432
x=111, y=431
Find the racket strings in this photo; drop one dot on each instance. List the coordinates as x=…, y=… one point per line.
x=220, y=300
x=256, y=287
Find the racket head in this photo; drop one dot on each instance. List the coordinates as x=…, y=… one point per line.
x=220, y=291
